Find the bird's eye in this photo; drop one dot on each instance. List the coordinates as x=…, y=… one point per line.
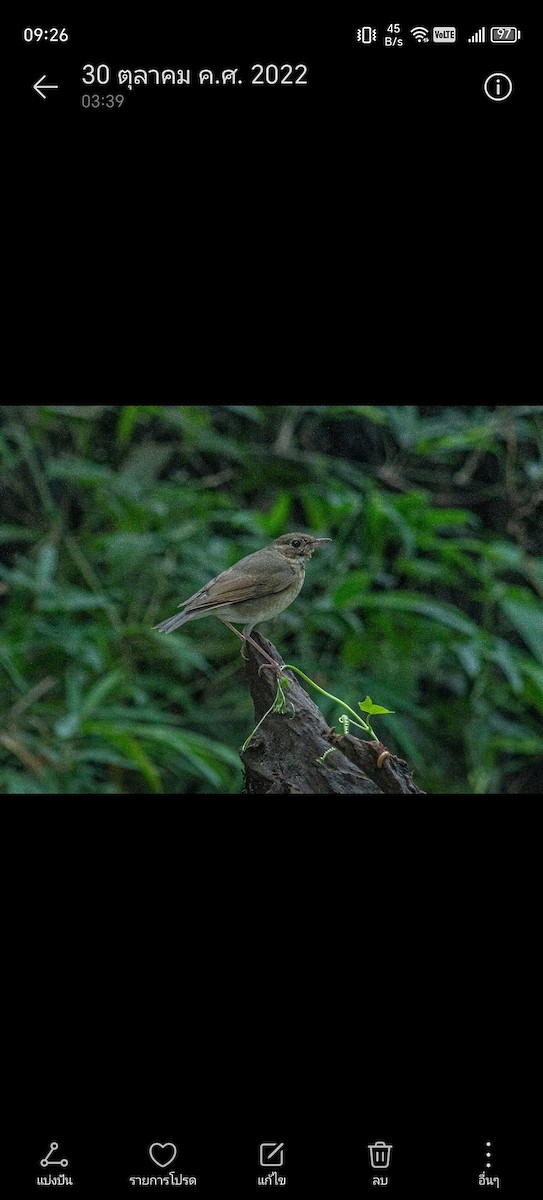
x=296, y=544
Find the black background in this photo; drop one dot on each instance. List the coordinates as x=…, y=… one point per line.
x=222, y=977
x=370, y=117
x=382, y=202
x=358, y=86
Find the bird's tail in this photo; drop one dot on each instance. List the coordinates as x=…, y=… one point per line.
x=173, y=622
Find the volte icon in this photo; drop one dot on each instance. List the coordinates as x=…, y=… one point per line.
x=444, y=35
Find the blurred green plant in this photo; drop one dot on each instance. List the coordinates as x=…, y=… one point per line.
x=431, y=593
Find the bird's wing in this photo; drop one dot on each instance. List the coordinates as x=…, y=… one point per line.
x=243, y=582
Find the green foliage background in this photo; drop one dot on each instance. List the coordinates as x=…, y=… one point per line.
x=429, y=598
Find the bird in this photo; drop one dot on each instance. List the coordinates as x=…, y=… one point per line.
x=255, y=589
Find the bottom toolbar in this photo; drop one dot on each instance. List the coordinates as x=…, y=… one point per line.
x=296, y=1164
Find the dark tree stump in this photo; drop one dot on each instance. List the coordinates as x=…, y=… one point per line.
x=281, y=758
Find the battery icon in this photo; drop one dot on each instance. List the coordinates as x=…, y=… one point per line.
x=505, y=35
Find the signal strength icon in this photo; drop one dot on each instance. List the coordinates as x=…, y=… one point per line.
x=420, y=34
x=480, y=36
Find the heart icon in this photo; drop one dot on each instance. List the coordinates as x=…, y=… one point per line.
x=162, y=1153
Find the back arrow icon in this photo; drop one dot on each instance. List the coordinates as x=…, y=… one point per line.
x=39, y=84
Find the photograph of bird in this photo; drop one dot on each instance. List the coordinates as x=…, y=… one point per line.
x=255, y=589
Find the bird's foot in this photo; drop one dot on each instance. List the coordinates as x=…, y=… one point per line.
x=270, y=662
x=245, y=637
x=271, y=666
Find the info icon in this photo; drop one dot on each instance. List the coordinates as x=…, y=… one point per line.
x=498, y=86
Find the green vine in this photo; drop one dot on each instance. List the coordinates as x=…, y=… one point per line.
x=366, y=705
x=280, y=706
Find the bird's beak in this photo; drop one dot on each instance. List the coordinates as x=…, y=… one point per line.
x=319, y=541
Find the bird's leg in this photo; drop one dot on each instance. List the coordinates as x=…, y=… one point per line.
x=245, y=637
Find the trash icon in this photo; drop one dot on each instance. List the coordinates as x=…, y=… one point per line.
x=380, y=1155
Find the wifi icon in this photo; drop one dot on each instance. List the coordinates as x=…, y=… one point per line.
x=420, y=34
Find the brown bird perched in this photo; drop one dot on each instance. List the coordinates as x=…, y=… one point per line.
x=257, y=588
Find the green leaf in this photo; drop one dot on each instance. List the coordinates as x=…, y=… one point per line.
x=71, y=600
x=46, y=566
x=137, y=757
x=218, y=750
x=369, y=411
x=67, y=726
x=173, y=739
x=145, y=462
x=354, y=586
x=76, y=470
x=85, y=412
x=16, y=533
x=502, y=656
x=527, y=617
x=22, y=784
x=447, y=614
x=534, y=471
x=482, y=437
x=373, y=709
x=275, y=522
x=528, y=744
x=425, y=571
x=8, y=663
x=251, y=412
x=533, y=677
x=469, y=654
x=100, y=690
x=127, y=422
